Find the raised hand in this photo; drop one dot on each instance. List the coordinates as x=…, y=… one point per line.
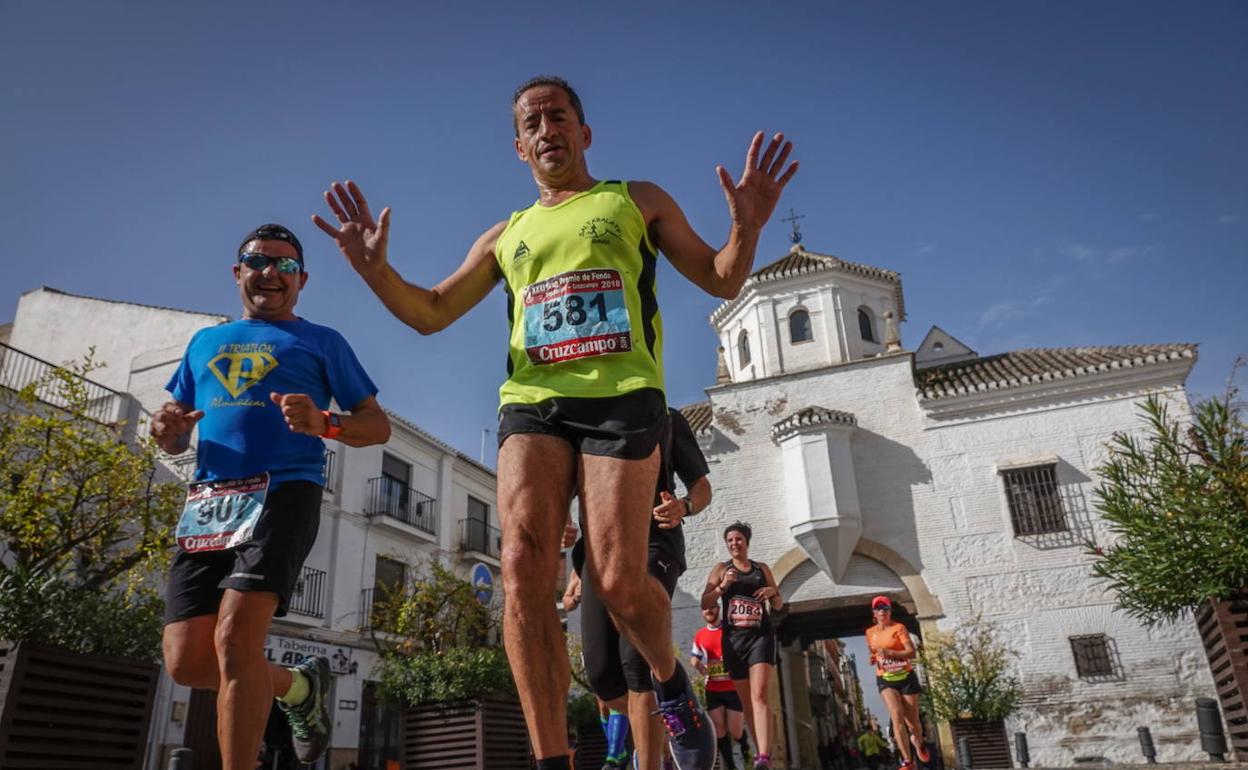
x=361, y=239
x=752, y=200
x=301, y=413
x=171, y=426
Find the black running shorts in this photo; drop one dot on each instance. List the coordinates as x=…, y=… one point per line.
x=727, y=699
x=626, y=427
x=908, y=686
x=743, y=650
x=271, y=562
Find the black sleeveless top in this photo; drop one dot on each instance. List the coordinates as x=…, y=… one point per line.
x=743, y=615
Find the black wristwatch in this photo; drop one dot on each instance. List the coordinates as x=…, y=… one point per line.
x=688, y=501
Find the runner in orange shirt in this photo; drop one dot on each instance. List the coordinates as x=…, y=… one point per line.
x=892, y=654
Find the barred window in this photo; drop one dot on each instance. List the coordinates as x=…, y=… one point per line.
x=743, y=350
x=1034, y=499
x=1092, y=658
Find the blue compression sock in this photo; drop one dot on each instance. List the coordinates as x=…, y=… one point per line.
x=617, y=736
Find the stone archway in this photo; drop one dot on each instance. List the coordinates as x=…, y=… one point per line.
x=927, y=607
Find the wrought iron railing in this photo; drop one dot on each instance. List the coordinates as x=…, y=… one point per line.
x=396, y=500
x=366, y=609
x=309, y=595
x=331, y=467
x=478, y=536
x=19, y=369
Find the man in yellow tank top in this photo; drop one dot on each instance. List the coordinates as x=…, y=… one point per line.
x=584, y=396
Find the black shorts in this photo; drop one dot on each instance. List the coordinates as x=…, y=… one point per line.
x=908, y=686
x=742, y=650
x=271, y=562
x=723, y=699
x=626, y=427
x=613, y=666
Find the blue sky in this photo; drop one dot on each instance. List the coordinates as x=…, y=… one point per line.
x=1042, y=174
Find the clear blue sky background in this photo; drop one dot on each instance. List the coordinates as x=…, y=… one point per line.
x=1042, y=174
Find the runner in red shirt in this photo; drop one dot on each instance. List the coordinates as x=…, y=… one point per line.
x=723, y=704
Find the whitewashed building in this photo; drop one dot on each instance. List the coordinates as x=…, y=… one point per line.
x=387, y=511
x=956, y=483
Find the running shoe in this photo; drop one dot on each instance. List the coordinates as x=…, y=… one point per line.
x=309, y=721
x=762, y=762
x=920, y=751
x=906, y=766
x=690, y=733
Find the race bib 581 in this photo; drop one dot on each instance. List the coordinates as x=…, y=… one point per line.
x=576, y=315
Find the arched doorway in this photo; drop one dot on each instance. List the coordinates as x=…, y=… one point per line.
x=819, y=708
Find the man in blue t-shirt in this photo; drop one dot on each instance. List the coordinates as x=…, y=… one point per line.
x=259, y=389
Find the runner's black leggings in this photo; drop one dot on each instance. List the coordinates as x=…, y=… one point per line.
x=614, y=667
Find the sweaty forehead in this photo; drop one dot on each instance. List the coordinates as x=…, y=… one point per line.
x=272, y=248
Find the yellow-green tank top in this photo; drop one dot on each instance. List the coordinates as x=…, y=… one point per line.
x=581, y=300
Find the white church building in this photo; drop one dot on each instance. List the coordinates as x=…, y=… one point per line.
x=956, y=483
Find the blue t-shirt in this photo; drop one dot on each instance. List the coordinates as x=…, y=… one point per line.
x=229, y=370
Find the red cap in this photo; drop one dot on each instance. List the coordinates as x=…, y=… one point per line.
x=881, y=601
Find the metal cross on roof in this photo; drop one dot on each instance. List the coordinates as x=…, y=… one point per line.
x=793, y=217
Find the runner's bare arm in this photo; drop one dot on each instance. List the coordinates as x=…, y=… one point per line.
x=367, y=424
x=712, y=592
x=751, y=201
x=364, y=242
x=770, y=591
x=171, y=426
x=697, y=663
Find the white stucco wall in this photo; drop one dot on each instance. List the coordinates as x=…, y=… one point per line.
x=60, y=327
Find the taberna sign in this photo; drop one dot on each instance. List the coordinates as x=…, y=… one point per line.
x=288, y=651
x=483, y=583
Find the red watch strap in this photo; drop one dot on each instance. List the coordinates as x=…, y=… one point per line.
x=332, y=426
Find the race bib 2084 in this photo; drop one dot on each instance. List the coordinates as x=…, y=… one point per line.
x=576, y=315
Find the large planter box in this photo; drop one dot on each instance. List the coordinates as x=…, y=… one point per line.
x=1223, y=627
x=69, y=711
x=484, y=734
x=989, y=745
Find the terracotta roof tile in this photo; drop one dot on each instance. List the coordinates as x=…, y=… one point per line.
x=810, y=416
x=1025, y=367
x=698, y=415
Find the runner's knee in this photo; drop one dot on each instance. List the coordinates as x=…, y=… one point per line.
x=236, y=651
x=189, y=664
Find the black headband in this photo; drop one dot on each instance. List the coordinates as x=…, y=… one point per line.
x=271, y=232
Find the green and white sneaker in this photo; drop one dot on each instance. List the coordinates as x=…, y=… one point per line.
x=309, y=721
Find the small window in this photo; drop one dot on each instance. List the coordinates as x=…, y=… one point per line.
x=478, y=510
x=1092, y=656
x=743, y=350
x=1034, y=500
x=799, y=327
x=938, y=346
x=866, y=327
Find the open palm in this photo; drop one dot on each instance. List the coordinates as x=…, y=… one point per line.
x=752, y=200
x=360, y=238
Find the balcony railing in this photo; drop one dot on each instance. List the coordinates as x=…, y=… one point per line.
x=19, y=369
x=331, y=467
x=478, y=536
x=309, y=596
x=366, y=609
x=387, y=497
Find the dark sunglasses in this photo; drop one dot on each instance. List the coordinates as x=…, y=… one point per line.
x=285, y=265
